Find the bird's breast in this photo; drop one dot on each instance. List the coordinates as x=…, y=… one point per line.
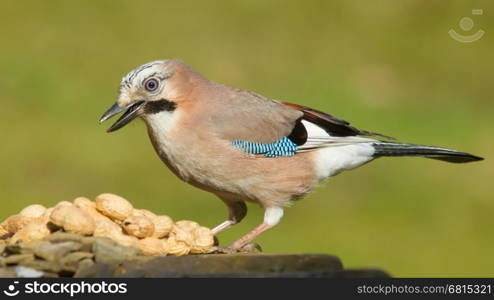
x=212, y=164
x=162, y=131
x=186, y=151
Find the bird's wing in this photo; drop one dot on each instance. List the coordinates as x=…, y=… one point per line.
x=259, y=125
x=247, y=116
x=333, y=125
x=323, y=130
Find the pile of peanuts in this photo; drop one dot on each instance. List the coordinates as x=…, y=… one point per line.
x=113, y=217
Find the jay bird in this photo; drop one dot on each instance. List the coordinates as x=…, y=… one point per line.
x=244, y=147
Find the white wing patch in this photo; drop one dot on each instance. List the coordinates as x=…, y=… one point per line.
x=333, y=160
x=335, y=154
x=319, y=138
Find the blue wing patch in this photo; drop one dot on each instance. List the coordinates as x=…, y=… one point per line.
x=283, y=147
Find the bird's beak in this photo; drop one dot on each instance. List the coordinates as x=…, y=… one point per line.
x=133, y=111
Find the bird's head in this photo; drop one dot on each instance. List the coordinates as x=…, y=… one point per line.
x=149, y=89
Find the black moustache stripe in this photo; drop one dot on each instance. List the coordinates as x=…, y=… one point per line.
x=154, y=107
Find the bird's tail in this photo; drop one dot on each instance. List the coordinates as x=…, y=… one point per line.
x=399, y=149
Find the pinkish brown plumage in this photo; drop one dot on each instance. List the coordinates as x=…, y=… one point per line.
x=195, y=124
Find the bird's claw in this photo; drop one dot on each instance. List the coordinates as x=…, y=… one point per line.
x=252, y=248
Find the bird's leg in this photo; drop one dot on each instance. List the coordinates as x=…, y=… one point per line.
x=222, y=227
x=272, y=216
x=236, y=212
x=241, y=242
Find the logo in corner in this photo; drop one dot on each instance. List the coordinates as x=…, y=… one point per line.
x=466, y=24
x=11, y=291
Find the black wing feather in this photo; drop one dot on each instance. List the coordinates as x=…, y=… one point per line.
x=333, y=125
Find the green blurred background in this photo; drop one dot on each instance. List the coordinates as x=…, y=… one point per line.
x=387, y=66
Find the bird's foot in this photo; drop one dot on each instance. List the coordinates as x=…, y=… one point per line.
x=248, y=248
x=252, y=248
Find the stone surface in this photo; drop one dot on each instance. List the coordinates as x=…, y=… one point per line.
x=97, y=270
x=59, y=237
x=234, y=265
x=31, y=246
x=7, y=272
x=83, y=267
x=70, y=262
x=53, y=252
x=42, y=265
x=2, y=246
x=108, y=251
x=13, y=249
x=71, y=255
x=17, y=258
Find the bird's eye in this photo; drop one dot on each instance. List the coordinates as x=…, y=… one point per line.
x=151, y=84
